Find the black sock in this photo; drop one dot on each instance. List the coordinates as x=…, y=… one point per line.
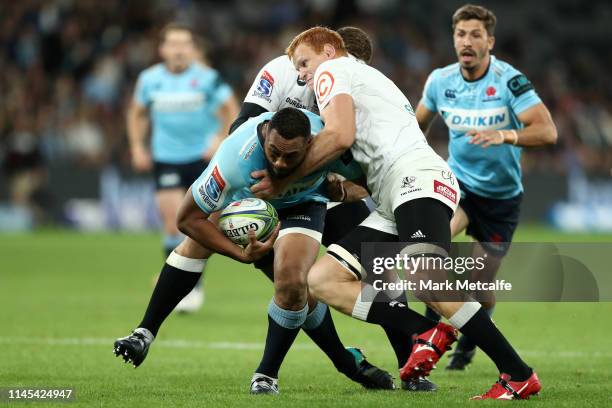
x=278, y=342
x=401, y=343
x=172, y=286
x=394, y=314
x=464, y=344
x=482, y=331
x=326, y=337
x=431, y=314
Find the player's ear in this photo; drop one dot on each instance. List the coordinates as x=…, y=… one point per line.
x=491, y=41
x=329, y=51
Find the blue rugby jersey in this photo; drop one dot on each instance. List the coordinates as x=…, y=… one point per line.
x=491, y=102
x=228, y=176
x=183, y=110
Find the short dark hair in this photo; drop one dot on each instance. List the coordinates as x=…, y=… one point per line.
x=176, y=26
x=473, y=12
x=357, y=43
x=290, y=123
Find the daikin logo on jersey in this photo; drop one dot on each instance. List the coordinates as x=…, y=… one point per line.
x=463, y=120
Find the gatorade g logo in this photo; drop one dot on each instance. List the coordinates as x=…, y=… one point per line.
x=325, y=83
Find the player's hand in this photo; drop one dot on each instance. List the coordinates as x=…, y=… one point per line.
x=485, y=138
x=267, y=187
x=141, y=160
x=257, y=249
x=335, y=188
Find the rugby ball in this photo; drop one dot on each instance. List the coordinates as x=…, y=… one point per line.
x=250, y=213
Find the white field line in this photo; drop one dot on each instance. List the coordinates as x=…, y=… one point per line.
x=227, y=345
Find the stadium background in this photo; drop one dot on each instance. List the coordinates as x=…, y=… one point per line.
x=67, y=72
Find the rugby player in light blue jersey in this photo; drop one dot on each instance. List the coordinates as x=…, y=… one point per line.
x=491, y=111
x=189, y=110
x=279, y=142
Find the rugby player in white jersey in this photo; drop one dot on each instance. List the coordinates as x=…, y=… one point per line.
x=365, y=112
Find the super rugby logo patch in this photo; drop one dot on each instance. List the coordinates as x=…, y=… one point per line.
x=212, y=190
x=266, y=84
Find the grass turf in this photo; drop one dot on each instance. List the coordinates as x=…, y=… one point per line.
x=65, y=296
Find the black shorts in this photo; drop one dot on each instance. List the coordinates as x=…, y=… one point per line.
x=306, y=218
x=168, y=175
x=422, y=221
x=492, y=222
x=342, y=219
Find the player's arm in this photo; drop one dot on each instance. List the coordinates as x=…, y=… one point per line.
x=340, y=190
x=195, y=223
x=336, y=137
x=226, y=114
x=247, y=111
x=539, y=130
x=424, y=117
x=138, y=123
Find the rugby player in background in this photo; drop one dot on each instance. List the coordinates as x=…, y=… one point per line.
x=491, y=111
x=188, y=110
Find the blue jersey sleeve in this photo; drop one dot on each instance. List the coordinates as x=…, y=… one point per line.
x=429, y=92
x=520, y=91
x=141, y=92
x=220, y=92
x=215, y=187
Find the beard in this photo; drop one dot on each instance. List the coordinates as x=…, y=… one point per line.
x=279, y=174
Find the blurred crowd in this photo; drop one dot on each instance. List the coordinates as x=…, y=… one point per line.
x=68, y=67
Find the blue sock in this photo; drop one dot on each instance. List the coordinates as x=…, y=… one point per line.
x=283, y=327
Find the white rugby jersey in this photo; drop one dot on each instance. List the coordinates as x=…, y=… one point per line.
x=277, y=86
x=386, y=125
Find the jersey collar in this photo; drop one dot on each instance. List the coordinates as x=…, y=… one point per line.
x=491, y=61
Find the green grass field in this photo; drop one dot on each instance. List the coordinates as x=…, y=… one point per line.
x=65, y=297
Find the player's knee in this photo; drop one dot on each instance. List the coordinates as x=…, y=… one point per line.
x=318, y=285
x=322, y=279
x=290, y=289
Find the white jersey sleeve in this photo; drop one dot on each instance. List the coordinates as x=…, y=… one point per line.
x=270, y=86
x=331, y=78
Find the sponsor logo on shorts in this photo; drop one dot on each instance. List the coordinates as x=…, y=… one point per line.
x=325, y=83
x=408, y=182
x=212, y=189
x=445, y=191
x=300, y=217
